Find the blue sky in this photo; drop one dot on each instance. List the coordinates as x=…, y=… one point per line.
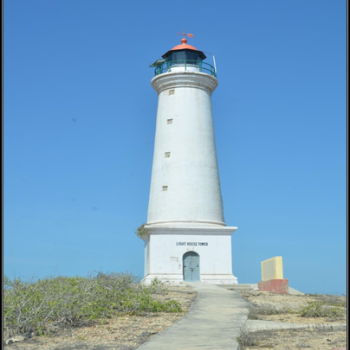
x=79, y=126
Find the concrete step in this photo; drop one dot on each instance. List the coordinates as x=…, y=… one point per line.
x=238, y=287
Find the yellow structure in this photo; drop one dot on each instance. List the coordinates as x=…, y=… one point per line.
x=272, y=269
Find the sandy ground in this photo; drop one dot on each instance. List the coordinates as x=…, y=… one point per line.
x=286, y=308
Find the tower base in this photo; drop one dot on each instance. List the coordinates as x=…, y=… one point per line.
x=179, y=279
x=179, y=254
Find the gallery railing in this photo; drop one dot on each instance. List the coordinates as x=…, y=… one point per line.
x=166, y=67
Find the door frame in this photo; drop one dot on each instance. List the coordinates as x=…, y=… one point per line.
x=183, y=265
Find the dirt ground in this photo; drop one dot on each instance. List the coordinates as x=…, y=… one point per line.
x=286, y=308
x=129, y=332
x=297, y=339
x=122, y=333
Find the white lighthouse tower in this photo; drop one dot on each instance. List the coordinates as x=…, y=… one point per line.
x=186, y=238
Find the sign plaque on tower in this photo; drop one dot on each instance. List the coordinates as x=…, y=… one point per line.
x=186, y=238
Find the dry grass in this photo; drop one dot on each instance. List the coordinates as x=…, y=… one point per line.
x=292, y=339
x=322, y=310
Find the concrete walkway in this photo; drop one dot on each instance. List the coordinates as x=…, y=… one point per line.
x=213, y=323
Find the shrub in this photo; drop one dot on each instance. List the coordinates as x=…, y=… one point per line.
x=53, y=303
x=140, y=231
x=332, y=300
x=248, y=338
x=319, y=309
x=265, y=309
x=157, y=286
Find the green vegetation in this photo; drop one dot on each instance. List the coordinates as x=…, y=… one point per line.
x=157, y=286
x=140, y=232
x=320, y=309
x=331, y=300
x=55, y=303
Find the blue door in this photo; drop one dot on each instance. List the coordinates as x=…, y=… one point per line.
x=191, y=267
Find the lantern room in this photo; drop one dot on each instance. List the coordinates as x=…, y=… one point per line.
x=183, y=58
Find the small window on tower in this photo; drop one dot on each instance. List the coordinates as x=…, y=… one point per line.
x=171, y=92
x=169, y=121
x=165, y=188
x=167, y=154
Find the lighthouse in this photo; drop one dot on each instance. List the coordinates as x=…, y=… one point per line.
x=186, y=238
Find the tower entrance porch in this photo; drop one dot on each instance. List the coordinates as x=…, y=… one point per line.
x=179, y=254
